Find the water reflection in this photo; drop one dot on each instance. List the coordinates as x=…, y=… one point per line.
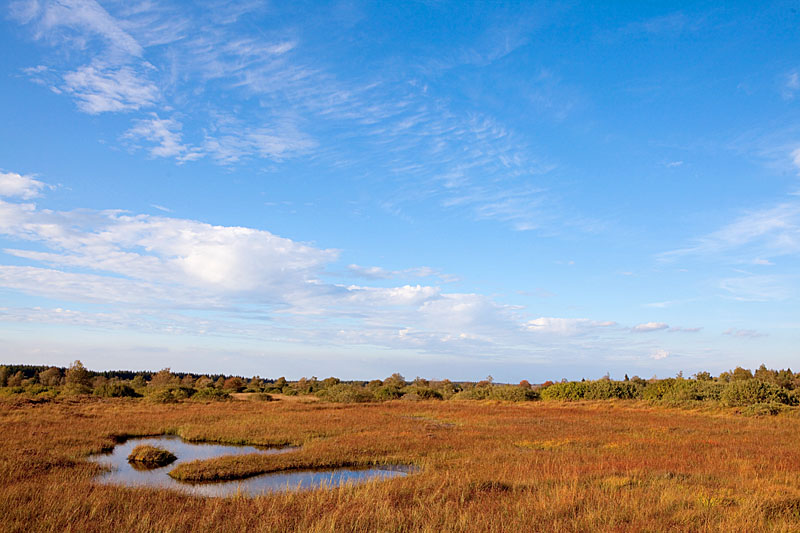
x=123, y=473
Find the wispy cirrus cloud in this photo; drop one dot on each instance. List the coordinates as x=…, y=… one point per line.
x=99, y=89
x=210, y=87
x=763, y=233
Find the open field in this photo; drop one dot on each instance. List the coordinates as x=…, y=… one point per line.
x=485, y=466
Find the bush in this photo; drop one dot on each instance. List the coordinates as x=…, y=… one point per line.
x=210, y=394
x=606, y=390
x=385, y=393
x=512, y=393
x=169, y=394
x=74, y=389
x=570, y=391
x=115, y=390
x=262, y=397
x=764, y=409
x=422, y=393
x=477, y=393
x=343, y=393
x=751, y=391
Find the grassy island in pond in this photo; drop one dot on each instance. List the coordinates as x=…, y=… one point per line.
x=150, y=456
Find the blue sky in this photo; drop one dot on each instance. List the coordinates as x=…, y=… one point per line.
x=526, y=190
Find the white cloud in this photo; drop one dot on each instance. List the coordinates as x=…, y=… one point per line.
x=756, y=288
x=375, y=272
x=678, y=329
x=770, y=232
x=565, y=326
x=87, y=16
x=166, y=136
x=743, y=333
x=791, y=84
x=19, y=186
x=659, y=354
x=649, y=326
x=98, y=89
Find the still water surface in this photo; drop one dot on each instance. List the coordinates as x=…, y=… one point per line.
x=122, y=473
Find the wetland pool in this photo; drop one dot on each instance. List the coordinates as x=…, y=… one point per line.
x=123, y=473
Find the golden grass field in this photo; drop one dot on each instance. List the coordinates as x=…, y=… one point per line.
x=534, y=466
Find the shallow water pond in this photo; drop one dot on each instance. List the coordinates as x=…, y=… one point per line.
x=123, y=473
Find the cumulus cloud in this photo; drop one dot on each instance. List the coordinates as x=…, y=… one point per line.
x=649, y=326
x=19, y=186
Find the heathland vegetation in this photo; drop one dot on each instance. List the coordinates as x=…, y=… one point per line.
x=569, y=462
x=763, y=391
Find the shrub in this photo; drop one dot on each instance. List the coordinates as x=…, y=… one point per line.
x=343, y=393
x=512, y=393
x=78, y=375
x=751, y=391
x=262, y=397
x=423, y=393
x=764, y=409
x=74, y=389
x=569, y=391
x=210, y=394
x=169, y=394
x=606, y=390
x=115, y=389
x=476, y=393
x=385, y=393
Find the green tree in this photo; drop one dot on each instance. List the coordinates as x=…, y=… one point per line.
x=3, y=376
x=78, y=375
x=50, y=377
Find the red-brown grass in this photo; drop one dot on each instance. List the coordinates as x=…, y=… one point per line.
x=604, y=466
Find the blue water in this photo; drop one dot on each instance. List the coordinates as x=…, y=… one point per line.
x=122, y=473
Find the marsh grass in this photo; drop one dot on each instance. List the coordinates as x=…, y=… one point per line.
x=146, y=456
x=626, y=466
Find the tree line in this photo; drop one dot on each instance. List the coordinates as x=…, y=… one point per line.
x=763, y=391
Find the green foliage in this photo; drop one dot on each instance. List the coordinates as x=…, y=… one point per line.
x=384, y=393
x=752, y=391
x=569, y=391
x=513, y=393
x=75, y=389
x=50, y=377
x=606, y=390
x=475, y=393
x=764, y=409
x=422, y=392
x=169, y=394
x=344, y=393
x=210, y=394
x=115, y=389
x=78, y=375
x=677, y=391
